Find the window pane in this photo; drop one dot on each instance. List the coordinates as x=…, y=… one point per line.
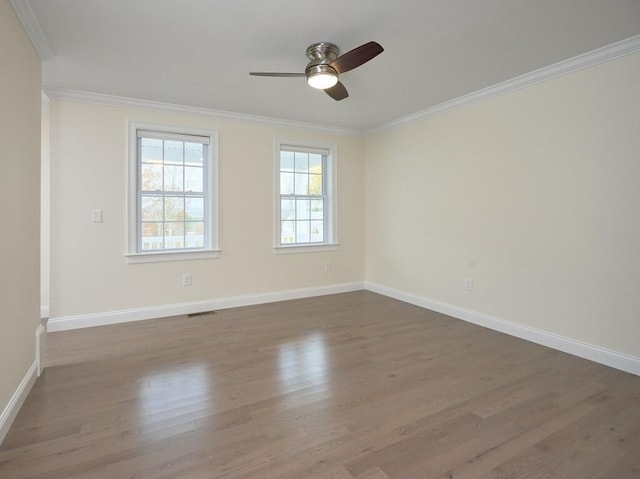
x=315, y=164
x=151, y=177
x=317, y=234
x=302, y=210
x=194, y=209
x=194, y=234
x=152, y=237
x=302, y=162
x=173, y=208
x=173, y=180
x=315, y=184
x=194, y=154
x=302, y=232
x=151, y=150
x=151, y=208
x=286, y=183
x=317, y=209
x=302, y=184
x=173, y=152
x=287, y=209
x=287, y=232
x=193, y=179
x=286, y=161
x=173, y=235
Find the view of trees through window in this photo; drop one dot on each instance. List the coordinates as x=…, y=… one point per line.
x=171, y=194
x=302, y=197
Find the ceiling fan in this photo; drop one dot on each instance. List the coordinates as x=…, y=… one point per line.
x=326, y=63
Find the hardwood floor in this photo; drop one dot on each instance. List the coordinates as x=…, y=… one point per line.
x=346, y=386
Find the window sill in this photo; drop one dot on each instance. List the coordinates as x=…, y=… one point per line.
x=172, y=256
x=311, y=248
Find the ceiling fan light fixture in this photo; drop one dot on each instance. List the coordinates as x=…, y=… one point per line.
x=326, y=64
x=321, y=77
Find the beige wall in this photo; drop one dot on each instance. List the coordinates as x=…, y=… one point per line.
x=533, y=194
x=89, y=273
x=20, y=200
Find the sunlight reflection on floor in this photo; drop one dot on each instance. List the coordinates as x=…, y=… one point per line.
x=303, y=362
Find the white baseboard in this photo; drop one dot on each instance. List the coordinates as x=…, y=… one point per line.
x=40, y=334
x=15, y=403
x=13, y=406
x=124, y=316
x=44, y=311
x=598, y=354
x=614, y=359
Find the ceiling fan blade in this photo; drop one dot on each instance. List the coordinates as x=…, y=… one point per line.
x=356, y=57
x=337, y=92
x=274, y=74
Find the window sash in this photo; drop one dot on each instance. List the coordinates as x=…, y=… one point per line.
x=161, y=135
x=304, y=149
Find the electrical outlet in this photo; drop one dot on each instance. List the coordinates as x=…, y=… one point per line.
x=186, y=279
x=327, y=267
x=468, y=284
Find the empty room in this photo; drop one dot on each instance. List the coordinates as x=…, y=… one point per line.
x=348, y=240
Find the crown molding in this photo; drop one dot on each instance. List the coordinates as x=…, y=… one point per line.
x=112, y=100
x=33, y=28
x=601, y=55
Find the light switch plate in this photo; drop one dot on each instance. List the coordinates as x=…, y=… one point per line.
x=96, y=216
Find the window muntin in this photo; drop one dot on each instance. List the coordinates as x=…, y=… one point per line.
x=172, y=191
x=304, y=200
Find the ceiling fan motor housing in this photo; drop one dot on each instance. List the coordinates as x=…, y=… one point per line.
x=320, y=56
x=323, y=52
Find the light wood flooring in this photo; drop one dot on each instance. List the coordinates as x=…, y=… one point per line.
x=346, y=386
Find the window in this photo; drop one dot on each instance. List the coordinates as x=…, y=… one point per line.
x=172, y=194
x=305, y=199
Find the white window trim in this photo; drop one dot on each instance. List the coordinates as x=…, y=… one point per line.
x=211, y=250
x=332, y=194
x=310, y=248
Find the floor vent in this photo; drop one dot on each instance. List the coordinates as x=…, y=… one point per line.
x=203, y=313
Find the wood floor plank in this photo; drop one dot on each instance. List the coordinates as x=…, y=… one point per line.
x=347, y=386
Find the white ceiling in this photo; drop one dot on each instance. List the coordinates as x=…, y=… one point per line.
x=199, y=52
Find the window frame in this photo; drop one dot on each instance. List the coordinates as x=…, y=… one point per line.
x=329, y=184
x=211, y=249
